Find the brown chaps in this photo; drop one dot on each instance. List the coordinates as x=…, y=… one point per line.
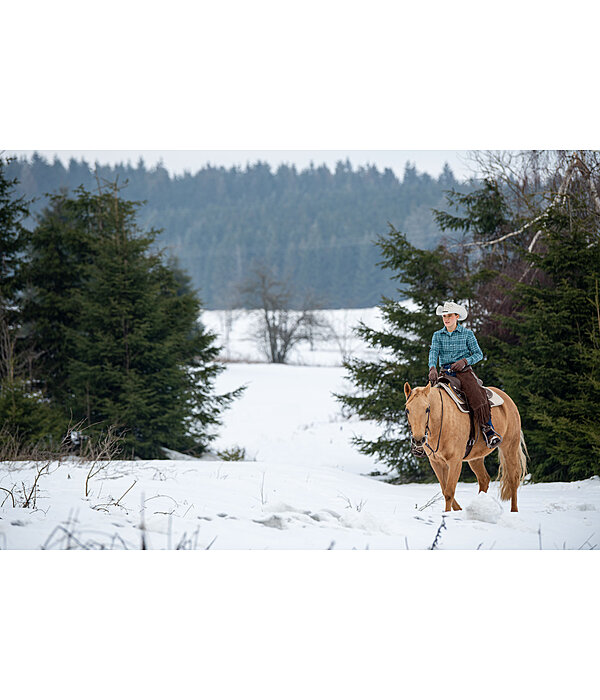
x=476, y=396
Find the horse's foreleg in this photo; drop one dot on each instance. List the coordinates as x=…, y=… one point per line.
x=450, y=485
x=441, y=471
x=483, y=478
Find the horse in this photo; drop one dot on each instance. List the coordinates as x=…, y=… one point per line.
x=439, y=429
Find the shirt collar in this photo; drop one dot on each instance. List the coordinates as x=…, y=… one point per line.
x=458, y=329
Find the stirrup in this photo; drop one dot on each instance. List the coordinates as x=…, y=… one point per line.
x=492, y=439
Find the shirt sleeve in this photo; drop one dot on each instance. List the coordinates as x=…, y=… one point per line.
x=473, y=347
x=434, y=351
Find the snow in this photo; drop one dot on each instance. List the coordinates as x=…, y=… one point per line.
x=485, y=508
x=302, y=486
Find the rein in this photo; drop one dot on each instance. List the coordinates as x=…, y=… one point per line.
x=441, y=426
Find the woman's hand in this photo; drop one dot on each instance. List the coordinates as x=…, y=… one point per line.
x=459, y=366
x=433, y=375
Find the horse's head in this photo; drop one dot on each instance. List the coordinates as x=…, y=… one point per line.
x=417, y=413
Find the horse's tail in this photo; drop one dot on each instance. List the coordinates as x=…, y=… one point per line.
x=520, y=470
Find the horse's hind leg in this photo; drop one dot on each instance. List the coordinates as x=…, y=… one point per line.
x=483, y=478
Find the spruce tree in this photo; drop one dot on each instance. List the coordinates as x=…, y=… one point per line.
x=13, y=212
x=128, y=349
x=60, y=251
x=26, y=417
x=425, y=278
x=551, y=365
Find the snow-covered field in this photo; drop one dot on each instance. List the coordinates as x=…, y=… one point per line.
x=236, y=330
x=302, y=486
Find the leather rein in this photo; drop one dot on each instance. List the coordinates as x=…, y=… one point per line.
x=441, y=425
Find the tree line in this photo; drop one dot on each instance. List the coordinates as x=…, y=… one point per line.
x=314, y=227
x=522, y=252
x=99, y=330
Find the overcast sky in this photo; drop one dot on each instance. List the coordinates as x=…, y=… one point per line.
x=431, y=162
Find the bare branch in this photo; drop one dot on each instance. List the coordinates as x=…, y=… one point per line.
x=557, y=199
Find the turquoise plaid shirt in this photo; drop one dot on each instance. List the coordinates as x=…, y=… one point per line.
x=451, y=347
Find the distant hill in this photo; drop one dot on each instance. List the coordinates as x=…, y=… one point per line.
x=315, y=227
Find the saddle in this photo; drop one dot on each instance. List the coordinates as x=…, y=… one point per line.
x=452, y=386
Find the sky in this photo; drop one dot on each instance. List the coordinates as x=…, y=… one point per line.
x=178, y=161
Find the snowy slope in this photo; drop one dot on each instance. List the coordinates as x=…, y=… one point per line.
x=306, y=489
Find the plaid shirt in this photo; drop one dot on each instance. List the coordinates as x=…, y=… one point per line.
x=451, y=347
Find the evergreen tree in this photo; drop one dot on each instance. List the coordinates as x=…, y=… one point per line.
x=14, y=210
x=129, y=351
x=426, y=278
x=551, y=365
x=60, y=251
x=26, y=418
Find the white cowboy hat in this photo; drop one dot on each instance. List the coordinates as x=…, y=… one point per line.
x=450, y=307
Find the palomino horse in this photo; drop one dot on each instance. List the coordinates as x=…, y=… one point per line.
x=441, y=430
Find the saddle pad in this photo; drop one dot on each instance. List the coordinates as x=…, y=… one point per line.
x=494, y=398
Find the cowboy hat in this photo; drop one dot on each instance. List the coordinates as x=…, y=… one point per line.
x=450, y=307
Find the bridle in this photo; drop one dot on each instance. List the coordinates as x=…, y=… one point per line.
x=417, y=448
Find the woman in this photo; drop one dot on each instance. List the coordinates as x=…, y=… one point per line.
x=457, y=350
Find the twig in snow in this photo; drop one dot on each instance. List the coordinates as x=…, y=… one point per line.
x=70, y=537
x=31, y=497
x=189, y=543
x=162, y=495
x=432, y=500
x=126, y=492
x=358, y=507
x=116, y=536
x=142, y=526
x=263, y=500
x=437, y=538
x=540, y=535
x=10, y=493
x=588, y=539
x=103, y=453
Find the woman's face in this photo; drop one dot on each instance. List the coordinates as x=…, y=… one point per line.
x=450, y=321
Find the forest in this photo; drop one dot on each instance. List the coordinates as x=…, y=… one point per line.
x=313, y=228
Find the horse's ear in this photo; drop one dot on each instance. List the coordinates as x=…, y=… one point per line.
x=407, y=389
x=427, y=389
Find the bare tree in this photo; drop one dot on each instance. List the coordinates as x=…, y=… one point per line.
x=280, y=328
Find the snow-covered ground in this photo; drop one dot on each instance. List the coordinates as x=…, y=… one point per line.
x=302, y=486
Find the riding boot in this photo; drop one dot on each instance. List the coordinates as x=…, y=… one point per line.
x=492, y=439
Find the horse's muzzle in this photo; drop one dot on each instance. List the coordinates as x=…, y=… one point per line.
x=416, y=447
